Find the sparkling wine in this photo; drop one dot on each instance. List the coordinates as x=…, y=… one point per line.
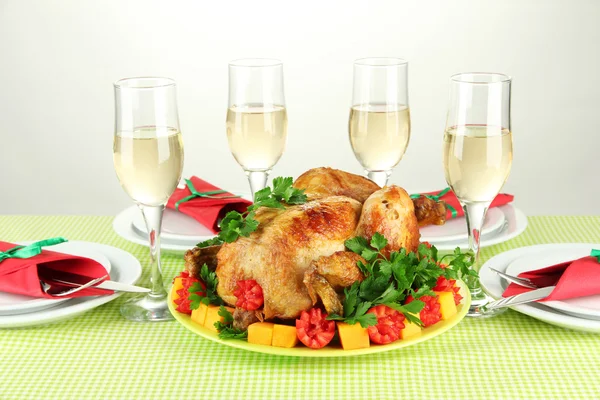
x=257, y=135
x=477, y=161
x=148, y=163
x=379, y=135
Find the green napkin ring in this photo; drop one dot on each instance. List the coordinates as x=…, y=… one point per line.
x=437, y=197
x=31, y=250
x=595, y=253
x=196, y=194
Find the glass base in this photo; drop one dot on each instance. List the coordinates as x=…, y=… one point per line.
x=147, y=308
x=478, y=299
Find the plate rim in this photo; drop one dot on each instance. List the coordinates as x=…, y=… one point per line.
x=500, y=237
x=490, y=280
x=302, y=351
x=130, y=267
x=37, y=303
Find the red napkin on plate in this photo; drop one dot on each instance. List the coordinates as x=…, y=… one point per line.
x=454, y=209
x=20, y=275
x=207, y=210
x=576, y=278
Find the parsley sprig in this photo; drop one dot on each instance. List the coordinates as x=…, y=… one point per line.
x=226, y=330
x=390, y=280
x=236, y=224
x=211, y=281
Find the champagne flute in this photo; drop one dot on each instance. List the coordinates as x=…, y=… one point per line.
x=379, y=123
x=478, y=155
x=256, y=117
x=148, y=159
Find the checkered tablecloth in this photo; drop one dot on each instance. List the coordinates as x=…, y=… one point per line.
x=99, y=355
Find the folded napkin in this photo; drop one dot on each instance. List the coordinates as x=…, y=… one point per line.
x=205, y=202
x=453, y=207
x=20, y=267
x=572, y=279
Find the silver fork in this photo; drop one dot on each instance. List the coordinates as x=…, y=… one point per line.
x=515, y=279
x=47, y=288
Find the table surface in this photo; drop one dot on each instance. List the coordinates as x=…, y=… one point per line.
x=101, y=355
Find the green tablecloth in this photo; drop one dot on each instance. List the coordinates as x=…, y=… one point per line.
x=101, y=355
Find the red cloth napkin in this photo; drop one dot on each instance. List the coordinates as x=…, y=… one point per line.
x=20, y=276
x=451, y=200
x=576, y=278
x=206, y=210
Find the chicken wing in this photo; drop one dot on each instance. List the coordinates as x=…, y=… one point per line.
x=429, y=211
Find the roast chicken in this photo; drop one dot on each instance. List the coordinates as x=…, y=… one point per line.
x=297, y=255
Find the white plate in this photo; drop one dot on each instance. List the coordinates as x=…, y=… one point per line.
x=125, y=269
x=124, y=228
x=18, y=304
x=456, y=228
x=582, y=307
x=176, y=227
x=494, y=286
x=515, y=224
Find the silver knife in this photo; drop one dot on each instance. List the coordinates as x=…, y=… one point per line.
x=517, y=299
x=67, y=278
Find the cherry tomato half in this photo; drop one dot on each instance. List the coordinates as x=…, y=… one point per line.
x=183, y=302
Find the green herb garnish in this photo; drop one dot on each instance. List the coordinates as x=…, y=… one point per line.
x=390, y=280
x=226, y=331
x=211, y=281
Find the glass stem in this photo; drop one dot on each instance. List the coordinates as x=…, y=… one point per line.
x=153, y=219
x=258, y=180
x=379, y=177
x=475, y=214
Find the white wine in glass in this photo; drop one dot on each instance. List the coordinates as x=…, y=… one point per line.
x=257, y=135
x=256, y=117
x=379, y=125
x=478, y=155
x=379, y=135
x=478, y=161
x=148, y=160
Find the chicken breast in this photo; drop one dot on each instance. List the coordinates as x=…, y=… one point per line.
x=278, y=254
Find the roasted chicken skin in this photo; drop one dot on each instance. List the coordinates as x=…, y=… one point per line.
x=278, y=254
x=390, y=211
x=324, y=182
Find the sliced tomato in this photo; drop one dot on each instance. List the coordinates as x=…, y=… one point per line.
x=430, y=314
x=313, y=329
x=448, y=285
x=389, y=324
x=249, y=295
x=183, y=302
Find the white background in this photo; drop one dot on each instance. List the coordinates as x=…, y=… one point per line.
x=58, y=60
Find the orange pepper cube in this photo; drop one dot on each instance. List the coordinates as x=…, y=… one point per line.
x=284, y=336
x=409, y=330
x=199, y=314
x=447, y=305
x=353, y=336
x=261, y=333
